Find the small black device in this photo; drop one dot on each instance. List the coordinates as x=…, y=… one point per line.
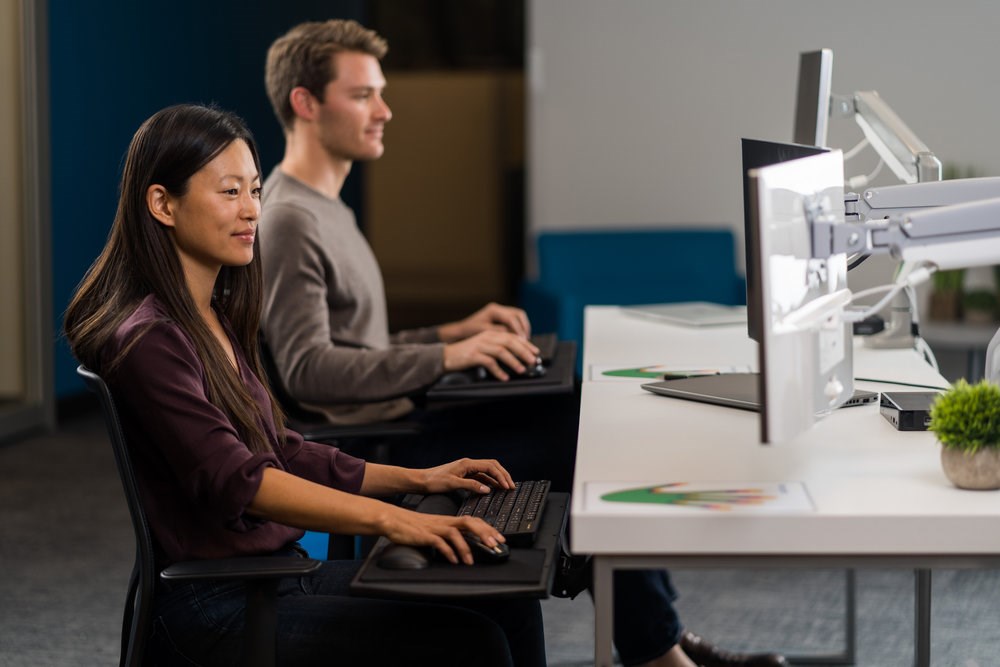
x=907, y=410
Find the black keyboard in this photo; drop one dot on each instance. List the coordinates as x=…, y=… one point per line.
x=516, y=513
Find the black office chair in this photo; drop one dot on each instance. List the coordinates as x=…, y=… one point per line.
x=261, y=573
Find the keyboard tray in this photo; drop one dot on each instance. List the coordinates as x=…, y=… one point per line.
x=558, y=379
x=528, y=573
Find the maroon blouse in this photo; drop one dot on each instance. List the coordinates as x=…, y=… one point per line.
x=195, y=474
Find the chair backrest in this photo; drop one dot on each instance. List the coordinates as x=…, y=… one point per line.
x=635, y=266
x=628, y=267
x=137, y=618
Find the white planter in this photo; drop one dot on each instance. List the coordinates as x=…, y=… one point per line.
x=980, y=471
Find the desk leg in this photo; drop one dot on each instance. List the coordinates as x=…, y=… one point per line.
x=603, y=612
x=976, y=365
x=922, y=622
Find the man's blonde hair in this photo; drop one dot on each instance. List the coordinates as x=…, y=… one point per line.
x=303, y=56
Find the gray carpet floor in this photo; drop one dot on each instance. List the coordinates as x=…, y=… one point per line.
x=66, y=552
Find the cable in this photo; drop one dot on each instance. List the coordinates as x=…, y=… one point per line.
x=921, y=346
x=872, y=290
x=857, y=149
x=915, y=277
x=902, y=384
x=857, y=261
x=857, y=182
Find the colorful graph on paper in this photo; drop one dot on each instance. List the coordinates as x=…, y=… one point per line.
x=718, y=497
x=661, y=371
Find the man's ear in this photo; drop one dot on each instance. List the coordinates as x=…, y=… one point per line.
x=160, y=204
x=304, y=104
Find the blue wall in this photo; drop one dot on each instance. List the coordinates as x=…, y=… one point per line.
x=112, y=65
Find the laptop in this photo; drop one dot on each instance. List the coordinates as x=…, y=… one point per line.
x=733, y=390
x=691, y=313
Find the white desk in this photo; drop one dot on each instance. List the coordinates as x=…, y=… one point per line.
x=880, y=498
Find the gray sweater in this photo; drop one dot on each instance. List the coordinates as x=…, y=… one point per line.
x=325, y=318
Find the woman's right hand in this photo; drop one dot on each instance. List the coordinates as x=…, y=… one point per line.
x=443, y=533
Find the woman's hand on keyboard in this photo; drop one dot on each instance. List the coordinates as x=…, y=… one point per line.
x=444, y=533
x=475, y=475
x=488, y=349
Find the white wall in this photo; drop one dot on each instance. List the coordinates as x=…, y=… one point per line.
x=636, y=107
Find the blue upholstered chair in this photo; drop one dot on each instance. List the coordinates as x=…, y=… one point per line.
x=628, y=267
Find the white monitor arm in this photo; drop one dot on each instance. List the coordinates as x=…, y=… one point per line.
x=945, y=224
x=907, y=156
x=928, y=226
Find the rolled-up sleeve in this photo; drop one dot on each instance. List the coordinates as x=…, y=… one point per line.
x=323, y=464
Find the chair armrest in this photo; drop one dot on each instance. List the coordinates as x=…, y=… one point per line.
x=254, y=567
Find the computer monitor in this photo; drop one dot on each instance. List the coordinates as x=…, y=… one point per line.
x=812, y=99
x=805, y=347
x=756, y=154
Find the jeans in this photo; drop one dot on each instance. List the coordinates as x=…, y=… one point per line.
x=646, y=622
x=320, y=624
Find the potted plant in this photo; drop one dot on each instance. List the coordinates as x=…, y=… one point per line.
x=946, y=298
x=980, y=306
x=966, y=420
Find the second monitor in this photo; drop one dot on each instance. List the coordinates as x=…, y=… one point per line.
x=805, y=346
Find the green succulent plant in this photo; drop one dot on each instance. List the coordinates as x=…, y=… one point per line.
x=967, y=417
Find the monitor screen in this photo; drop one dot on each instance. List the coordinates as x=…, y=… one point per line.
x=756, y=154
x=805, y=346
x=812, y=99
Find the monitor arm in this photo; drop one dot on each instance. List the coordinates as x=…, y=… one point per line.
x=907, y=156
x=948, y=226
x=894, y=200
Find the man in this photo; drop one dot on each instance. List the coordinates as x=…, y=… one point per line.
x=325, y=319
x=324, y=307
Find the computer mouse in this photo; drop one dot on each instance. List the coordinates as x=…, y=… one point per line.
x=455, y=378
x=402, y=557
x=530, y=371
x=481, y=553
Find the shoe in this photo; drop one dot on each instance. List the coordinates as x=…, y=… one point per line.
x=706, y=655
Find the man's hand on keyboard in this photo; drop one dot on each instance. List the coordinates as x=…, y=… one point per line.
x=488, y=349
x=443, y=533
x=491, y=317
x=475, y=475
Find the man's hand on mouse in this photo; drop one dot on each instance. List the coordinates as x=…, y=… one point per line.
x=487, y=349
x=474, y=475
x=491, y=317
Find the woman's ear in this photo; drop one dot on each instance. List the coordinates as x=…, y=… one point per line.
x=303, y=103
x=160, y=204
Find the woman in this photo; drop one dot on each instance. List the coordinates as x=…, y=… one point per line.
x=168, y=314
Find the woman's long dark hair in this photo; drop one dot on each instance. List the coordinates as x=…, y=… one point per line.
x=139, y=259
